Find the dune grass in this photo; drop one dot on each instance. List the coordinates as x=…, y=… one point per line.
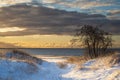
x=107, y=60
x=19, y=55
x=110, y=60
x=77, y=59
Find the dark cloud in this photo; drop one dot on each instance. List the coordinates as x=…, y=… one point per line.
x=42, y=20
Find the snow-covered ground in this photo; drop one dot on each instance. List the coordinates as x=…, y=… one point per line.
x=49, y=70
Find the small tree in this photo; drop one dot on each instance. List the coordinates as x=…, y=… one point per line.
x=95, y=41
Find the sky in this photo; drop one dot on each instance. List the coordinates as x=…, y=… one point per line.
x=52, y=23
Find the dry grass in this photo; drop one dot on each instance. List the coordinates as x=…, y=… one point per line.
x=104, y=61
x=77, y=60
x=62, y=65
x=110, y=60
x=112, y=76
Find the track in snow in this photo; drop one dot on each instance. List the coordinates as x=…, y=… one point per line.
x=51, y=71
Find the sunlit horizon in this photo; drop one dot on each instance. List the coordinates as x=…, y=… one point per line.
x=45, y=41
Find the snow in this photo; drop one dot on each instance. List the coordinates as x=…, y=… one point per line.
x=13, y=70
x=49, y=70
x=88, y=72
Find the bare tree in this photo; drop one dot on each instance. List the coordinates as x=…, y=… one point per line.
x=95, y=41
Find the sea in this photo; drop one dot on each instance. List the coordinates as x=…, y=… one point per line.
x=57, y=51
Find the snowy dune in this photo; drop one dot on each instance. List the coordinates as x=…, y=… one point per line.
x=49, y=70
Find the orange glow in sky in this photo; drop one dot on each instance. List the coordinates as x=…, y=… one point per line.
x=38, y=41
x=44, y=41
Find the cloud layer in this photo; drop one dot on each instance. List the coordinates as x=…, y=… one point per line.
x=87, y=6
x=44, y=21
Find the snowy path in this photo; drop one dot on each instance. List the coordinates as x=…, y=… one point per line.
x=53, y=72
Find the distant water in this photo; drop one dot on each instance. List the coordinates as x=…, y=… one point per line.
x=58, y=51
x=55, y=51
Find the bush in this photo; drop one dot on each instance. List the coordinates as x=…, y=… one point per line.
x=95, y=41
